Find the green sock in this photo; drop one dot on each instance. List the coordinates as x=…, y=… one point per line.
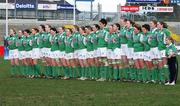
x=149, y=73
x=144, y=74
x=161, y=75
x=97, y=72
x=126, y=71
x=87, y=72
x=61, y=71
x=54, y=71
x=166, y=72
x=46, y=71
x=83, y=72
x=66, y=71
x=156, y=74
x=22, y=69
x=110, y=72
x=92, y=71
x=132, y=74
x=25, y=70
x=105, y=72
x=79, y=74
x=115, y=73
x=120, y=73
x=15, y=69
x=37, y=69
x=74, y=70
x=140, y=72
x=12, y=70
x=70, y=72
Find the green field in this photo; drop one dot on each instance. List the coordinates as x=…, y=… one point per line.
x=43, y=92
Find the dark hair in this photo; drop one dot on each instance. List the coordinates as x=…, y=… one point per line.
x=97, y=26
x=103, y=21
x=76, y=27
x=63, y=28
x=49, y=26
x=37, y=30
x=14, y=30
x=131, y=22
x=138, y=27
x=88, y=27
x=83, y=28
x=54, y=29
x=146, y=26
x=163, y=24
x=155, y=22
x=43, y=27
x=170, y=38
x=118, y=25
x=27, y=30
x=124, y=19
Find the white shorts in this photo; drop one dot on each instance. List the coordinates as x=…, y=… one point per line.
x=21, y=55
x=102, y=52
x=54, y=54
x=109, y=53
x=35, y=53
x=147, y=55
x=69, y=56
x=47, y=52
x=28, y=54
x=163, y=53
x=130, y=53
x=82, y=54
x=13, y=54
x=95, y=53
x=76, y=53
x=124, y=48
x=62, y=54
x=41, y=52
x=90, y=54
x=117, y=53
x=155, y=53
x=138, y=55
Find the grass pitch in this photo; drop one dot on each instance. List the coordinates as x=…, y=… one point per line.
x=45, y=92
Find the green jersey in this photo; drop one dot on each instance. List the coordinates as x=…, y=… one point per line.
x=61, y=41
x=35, y=40
x=40, y=40
x=75, y=40
x=129, y=36
x=145, y=41
x=91, y=42
x=112, y=41
x=27, y=42
x=161, y=38
x=19, y=43
x=46, y=39
x=82, y=42
x=54, y=43
x=122, y=34
x=137, y=42
x=152, y=41
x=69, y=44
x=102, y=35
x=12, y=42
x=171, y=49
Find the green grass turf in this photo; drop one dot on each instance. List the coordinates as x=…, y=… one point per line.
x=43, y=92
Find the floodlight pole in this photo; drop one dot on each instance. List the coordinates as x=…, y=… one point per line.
x=74, y=13
x=6, y=18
